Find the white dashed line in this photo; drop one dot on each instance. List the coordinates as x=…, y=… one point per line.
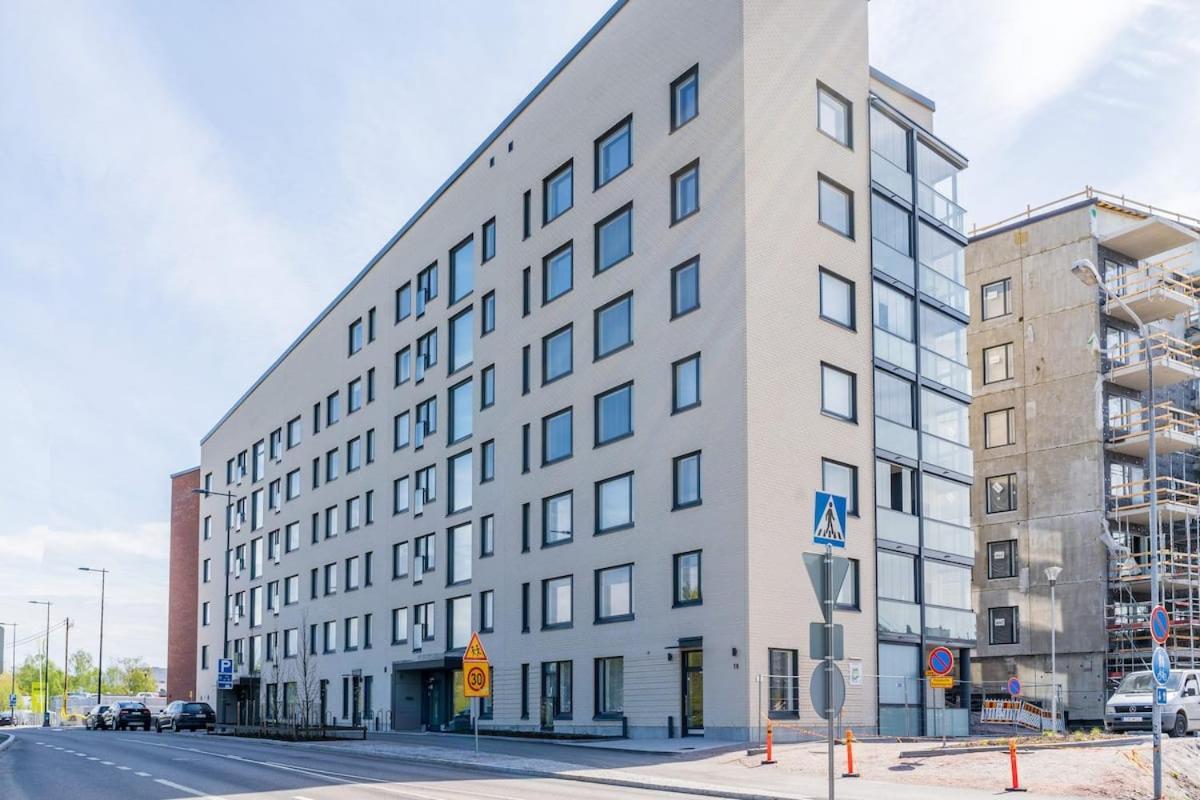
x=107, y=763
x=142, y=774
x=92, y=758
x=179, y=788
x=300, y=797
x=125, y=768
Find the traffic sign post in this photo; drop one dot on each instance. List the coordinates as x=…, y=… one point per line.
x=829, y=529
x=224, y=673
x=941, y=660
x=1160, y=625
x=829, y=520
x=477, y=679
x=1161, y=665
x=1014, y=686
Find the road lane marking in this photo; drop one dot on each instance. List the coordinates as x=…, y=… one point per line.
x=181, y=788
x=125, y=768
x=107, y=763
x=142, y=774
x=92, y=758
x=300, y=797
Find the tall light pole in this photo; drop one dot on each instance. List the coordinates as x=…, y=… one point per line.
x=1052, y=574
x=229, y=500
x=1086, y=271
x=100, y=657
x=13, y=691
x=45, y=666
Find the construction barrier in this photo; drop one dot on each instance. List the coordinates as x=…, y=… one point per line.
x=1016, y=712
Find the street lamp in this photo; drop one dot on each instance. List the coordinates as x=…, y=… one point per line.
x=1086, y=271
x=1052, y=574
x=12, y=694
x=229, y=500
x=45, y=666
x=100, y=657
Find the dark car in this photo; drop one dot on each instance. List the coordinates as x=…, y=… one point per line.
x=94, y=719
x=122, y=715
x=6, y=718
x=185, y=716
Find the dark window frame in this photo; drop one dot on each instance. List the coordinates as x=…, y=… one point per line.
x=597, y=268
x=675, y=504
x=1009, y=548
x=450, y=262
x=853, y=326
x=546, y=259
x=597, y=146
x=569, y=327
x=546, y=419
x=1010, y=428
x=1011, y=494
x=694, y=164
x=675, y=583
x=1012, y=616
x=852, y=506
x=1008, y=310
x=694, y=261
x=596, y=505
x=1010, y=357
x=847, y=104
x=568, y=165
x=688, y=74
x=597, y=313
x=678, y=409
x=596, y=400
x=827, y=412
x=599, y=620
x=556, y=626
x=846, y=190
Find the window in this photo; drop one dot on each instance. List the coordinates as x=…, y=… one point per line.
x=352, y=577
x=1002, y=494
x=833, y=115
x=260, y=460
x=841, y=479
x=687, y=579
x=399, y=560
x=614, y=594
x=614, y=503
x=487, y=461
x=1002, y=559
x=206, y=530
x=685, y=192
x=293, y=433
x=291, y=590
x=558, y=273
x=837, y=299
x=331, y=522
x=557, y=602
x=275, y=445
x=399, y=625
x=557, y=354
x=558, y=688
x=400, y=430
x=487, y=611
x=353, y=513
x=686, y=480
x=610, y=687
x=558, y=193
x=462, y=411
x=354, y=454
x=293, y=484
x=354, y=395
x=370, y=445
x=614, y=151
x=558, y=519
x=371, y=324
x=685, y=288
x=839, y=393
x=685, y=383
x=614, y=238
x=204, y=656
x=835, y=206
x=426, y=420
x=997, y=298
x=998, y=363
x=291, y=537
x=403, y=302
x=459, y=548
x=462, y=481
x=614, y=326
x=458, y=622
x=462, y=340
x=356, y=336
x=525, y=368
x=205, y=614
x=489, y=241
x=784, y=683
x=331, y=573
x=1002, y=625
x=331, y=465
x=462, y=270
x=487, y=536
x=427, y=353
x=424, y=558
x=487, y=389
x=614, y=414
x=273, y=495
x=685, y=98
x=557, y=437
x=526, y=214
x=487, y=314
x=848, y=594
x=524, y=608
x=526, y=291
x=423, y=622
x=403, y=365
x=999, y=428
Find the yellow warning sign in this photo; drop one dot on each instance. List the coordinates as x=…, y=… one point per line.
x=475, y=651
x=941, y=682
x=477, y=679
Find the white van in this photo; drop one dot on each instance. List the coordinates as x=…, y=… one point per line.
x=1131, y=706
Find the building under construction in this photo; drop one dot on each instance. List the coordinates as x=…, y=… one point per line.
x=1060, y=429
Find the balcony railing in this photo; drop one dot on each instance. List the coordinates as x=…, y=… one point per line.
x=948, y=290
x=1176, y=497
x=899, y=617
x=891, y=261
x=1175, y=429
x=945, y=371
x=1174, y=360
x=1154, y=290
x=891, y=176
x=940, y=207
x=896, y=526
x=950, y=623
x=895, y=350
x=895, y=438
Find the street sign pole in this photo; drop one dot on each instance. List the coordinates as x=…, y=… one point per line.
x=475, y=704
x=829, y=666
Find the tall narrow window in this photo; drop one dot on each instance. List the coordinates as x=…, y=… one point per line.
x=614, y=414
x=686, y=480
x=462, y=407
x=460, y=548
x=835, y=207
x=687, y=579
x=488, y=235
x=685, y=288
x=526, y=214
x=557, y=358
x=685, y=383
x=558, y=519
x=356, y=336
x=487, y=388
x=462, y=340
x=614, y=151
x=685, y=192
x=557, y=273
x=403, y=302
x=558, y=194
x=462, y=270
x=610, y=687
x=462, y=480
x=487, y=317
x=685, y=97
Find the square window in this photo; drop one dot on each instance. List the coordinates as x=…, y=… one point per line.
x=557, y=439
x=558, y=193
x=837, y=299
x=488, y=235
x=841, y=479
x=614, y=594
x=839, y=394
x=462, y=270
x=614, y=414
x=998, y=363
x=614, y=503
x=835, y=206
x=685, y=383
x=614, y=238
x=833, y=115
x=462, y=341
x=685, y=288
x=614, y=326
x=685, y=98
x=1002, y=559
x=997, y=298
x=558, y=602
x=999, y=428
x=614, y=152
x=686, y=481
x=557, y=358
x=685, y=192
x=557, y=273
x=1001, y=494
x=1002, y=625
x=687, y=579
x=558, y=519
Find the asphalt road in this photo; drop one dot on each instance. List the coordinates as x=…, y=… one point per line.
x=73, y=764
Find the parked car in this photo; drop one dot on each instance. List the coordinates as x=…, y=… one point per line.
x=6, y=718
x=127, y=714
x=1131, y=706
x=94, y=719
x=185, y=716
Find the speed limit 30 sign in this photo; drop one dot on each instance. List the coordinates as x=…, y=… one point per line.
x=477, y=672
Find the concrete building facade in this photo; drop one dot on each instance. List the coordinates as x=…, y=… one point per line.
x=183, y=585
x=1060, y=427
x=582, y=401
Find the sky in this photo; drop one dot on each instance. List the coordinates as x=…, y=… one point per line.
x=184, y=186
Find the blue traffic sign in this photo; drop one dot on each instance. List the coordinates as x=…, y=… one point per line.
x=224, y=666
x=1014, y=686
x=1161, y=664
x=1160, y=625
x=225, y=681
x=829, y=519
x=941, y=661
x=12, y=701
x=1160, y=695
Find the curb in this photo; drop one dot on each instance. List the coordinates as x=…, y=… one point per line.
x=1028, y=747
x=8, y=740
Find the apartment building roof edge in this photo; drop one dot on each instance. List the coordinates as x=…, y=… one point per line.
x=1021, y=223
x=187, y=471
x=420, y=212
x=907, y=91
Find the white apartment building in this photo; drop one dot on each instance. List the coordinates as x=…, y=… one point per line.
x=581, y=402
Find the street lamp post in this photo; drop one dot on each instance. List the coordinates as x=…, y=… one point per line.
x=100, y=657
x=1052, y=574
x=1086, y=271
x=45, y=666
x=229, y=500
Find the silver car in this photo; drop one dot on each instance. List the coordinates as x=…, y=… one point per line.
x=1131, y=706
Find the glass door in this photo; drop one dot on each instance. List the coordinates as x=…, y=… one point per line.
x=693, y=692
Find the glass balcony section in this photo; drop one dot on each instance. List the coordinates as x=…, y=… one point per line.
x=895, y=438
x=943, y=268
x=939, y=287
x=947, y=455
x=891, y=235
x=937, y=188
x=946, y=623
x=891, y=176
x=894, y=350
x=944, y=354
x=899, y=617
x=895, y=526
x=948, y=538
x=946, y=372
x=891, y=261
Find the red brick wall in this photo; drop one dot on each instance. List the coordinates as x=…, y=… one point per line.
x=183, y=613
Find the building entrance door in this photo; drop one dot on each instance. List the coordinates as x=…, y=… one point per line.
x=693, y=692
x=433, y=701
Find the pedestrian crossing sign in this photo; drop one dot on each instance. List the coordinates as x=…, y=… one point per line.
x=829, y=520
